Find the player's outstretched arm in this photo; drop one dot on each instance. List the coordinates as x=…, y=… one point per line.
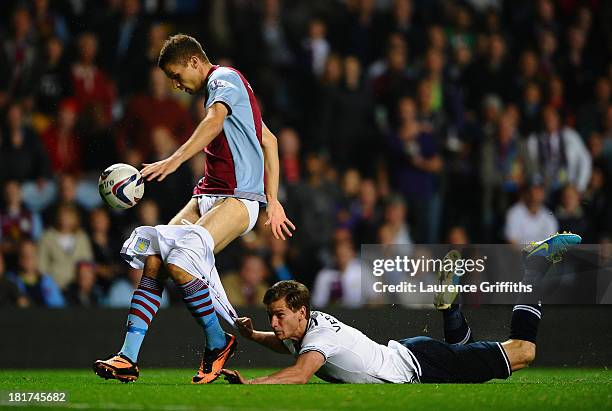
x=277, y=220
x=265, y=338
x=300, y=373
x=205, y=132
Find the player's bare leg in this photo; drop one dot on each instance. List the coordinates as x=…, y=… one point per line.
x=220, y=346
x=190, y=212
x=225, y=221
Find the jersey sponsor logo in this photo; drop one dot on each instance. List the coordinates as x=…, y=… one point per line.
x=142, y=245
x=215, y=84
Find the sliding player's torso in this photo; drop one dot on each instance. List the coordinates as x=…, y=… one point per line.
x=351, y=357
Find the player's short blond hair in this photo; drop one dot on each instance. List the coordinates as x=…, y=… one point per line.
x=178, y=49
x=296, y=295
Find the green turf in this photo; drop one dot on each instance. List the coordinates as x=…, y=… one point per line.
x=537, y=389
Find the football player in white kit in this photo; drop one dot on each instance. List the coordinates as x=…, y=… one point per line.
x=336, y=352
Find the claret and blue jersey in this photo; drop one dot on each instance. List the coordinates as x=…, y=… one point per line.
x=234, y=159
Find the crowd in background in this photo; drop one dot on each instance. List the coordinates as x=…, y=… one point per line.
x=399, y=121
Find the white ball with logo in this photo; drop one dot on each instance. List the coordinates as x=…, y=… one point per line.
x=121, y=186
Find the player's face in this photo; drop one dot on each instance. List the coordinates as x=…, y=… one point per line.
x=286, y=323
x=185, y=77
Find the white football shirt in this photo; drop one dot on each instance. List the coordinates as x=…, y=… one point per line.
x=350, y=356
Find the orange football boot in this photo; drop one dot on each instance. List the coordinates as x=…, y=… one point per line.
x=118, y=367
x=214, y=360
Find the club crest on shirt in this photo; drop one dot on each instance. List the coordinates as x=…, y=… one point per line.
x=215, y=84
x=142, y=245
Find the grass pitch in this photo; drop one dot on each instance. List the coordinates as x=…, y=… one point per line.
x=170, y=390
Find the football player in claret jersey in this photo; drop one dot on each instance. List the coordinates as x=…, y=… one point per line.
x=240, y=150
x=336, y=352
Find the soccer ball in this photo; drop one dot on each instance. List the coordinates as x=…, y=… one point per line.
x=121, y=186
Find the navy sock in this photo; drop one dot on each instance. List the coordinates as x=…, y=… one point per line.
x=145, y=303
x=527, y=312
x=525, y=321
x=456, y=328
x=197, y=298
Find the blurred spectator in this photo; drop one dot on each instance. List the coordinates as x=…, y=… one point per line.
x=177, y=185
x=547, y=47
x=545, y=18
x=491, y=74
x=147, y=112
x=365, y=214
x=415, y=164
x=461, y=30
x=35, y=284
x=123, y=45
x=133, y=81
x=531, y=107
x=62, y=141
x=590, y=116
x=576, y=66
x=316, y=47
x=492, y=109
x=16, y=223
x=63, y=245
x=395, y=221
x=528, y=72
x=459, y=64
x=289, y=153
x=329, y=89
x=396, y=81
x=91, y=85
x=364, y=31
x=350, y=186
x=67, y=186
x=22, y=156
x=120, y=293
x=49, y=23
x=279, y=260
x=559, y=154
x=313, y=204
x=598, y=201
x=18, y=58
x=402, y=22
x=556, y=95
x=248, y=286
x=571, y=215
x=83, y=291
x=340, y=284
x=505, y=167
x=53, y=82
x=105, y=246
x=10, y=296
x=432, y=95
x=346, y=121
x=528, y=220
